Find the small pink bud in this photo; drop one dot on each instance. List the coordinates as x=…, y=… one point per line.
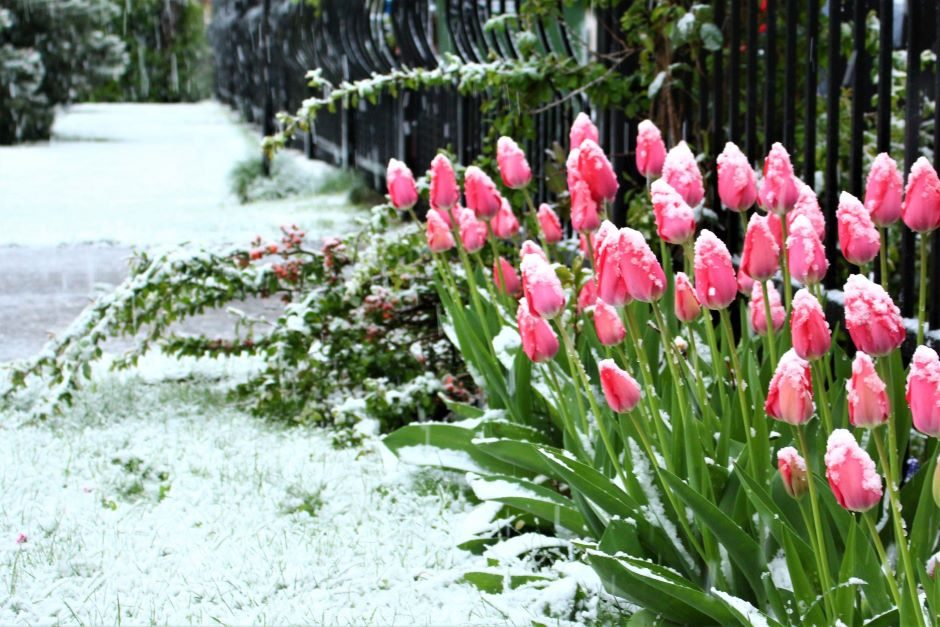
x=737, y=185
x=510, y=282
x=582, y=128
x=549, y=224
x=438, y=234
x=778, y=191
x=923, y=391
x=760, y=258
x=921, y=208
x=758, y=316
x=681, y=172
x=513, y=167
x=481, y=193
x=852, y=475
x=675, y=220
x=607, y=324
x=620, y=389
x=806, y=255
x=808, y=326
x=21, y=539
x=444, y=192
x=868, y=401
x=401, y=185
x=715, y=281
x=883, y=190
x=650, y=149
x=505, y=225
x=687, y=307
x=858, y=237
x=790, y=396
x=596, y=171
x=792, y=469
x=539, y=342
x=541, y=287
x=871, y=317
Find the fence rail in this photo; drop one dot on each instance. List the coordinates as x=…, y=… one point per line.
x=784, y=70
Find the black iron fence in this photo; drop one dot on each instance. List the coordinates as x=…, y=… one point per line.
x=835, y=81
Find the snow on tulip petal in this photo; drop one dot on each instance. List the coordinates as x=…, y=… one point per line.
x=852, y=475
x=444, y=193
x=806, y=256
x=438, y=233
x=595, y=170
x=758, y=315
x=505, y=225
x=866, y=393
x=807, y=204
x=513, y=166
x=858, y=237
x=542, y=288
x=687, y=307
x=582, y=128
x=681, y=172
x=607, y=324
x=923, y=391
x=621, y=391
x=639, y=267
x=883, y=190
x=531, y=248
x=539, y=342
x=809, y=327
x=790, y=396
x=871, y=317
x=778, y=191
x=549, y=224
x=650, y=149
x=401, y=185
x=715, y=281
x=675, y=220
x=792, y=468
x=481, y=193
x=921, y=208
x=760, y=257
x=737, y=185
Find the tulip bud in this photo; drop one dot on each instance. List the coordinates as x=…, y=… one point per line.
x=737, y=186
x=745, y=282
x=807, y=205
x=778, y=191
x=792, y=469
x=539, y=342
x=505, y=225
x=852, y=475
x=883, y=191
x=650, y=149
x=620, y=389
x=505, y=277
x=921, y=208
x=401, y=185
x=866, y=393
x=549, y=224
x=481, y=193
x=675, y=220
x=587, y=296
x=531, y=248
x=472, y=231
x=687, y=307
x=438, y=234
x=611, y=285
x=758, y=315
x=444, y=192
x=923, y=391
x=760, y=258
x=513, y=167
x=715, y=281
x=806, y=255
x=582, y=128
x=871, y=317
x=607, y=324
x=790, y=396
x=584, y=215
x=541, y=287
x=681, y=172
x=858, y=238
x=596, y=171
x=808, y=326
x=639, y=268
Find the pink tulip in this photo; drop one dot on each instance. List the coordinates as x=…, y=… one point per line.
x=792, y=469
x=806, y=205
x=571, y=168
x=675, y=220
x=758, y=315
x=607, y=324
x=778, y=191
x=715, y=281
x=858, y=237
x=883, y=191
x=681, y=171
x=444, y=192
x=776, y=227
x=584, y=216
x=505, y=225
x=921, y=208
x=541, y=287
x=443, y=214
x=587, y=296
x=871, y=317
x=808, y=326
x=852, y=475
x=472, y=231
x=549, y=224
x=611, y=284
x=923, y=391
x=868, y=401
x=531, y=248
x=620, y=389
x=806, y=255
x=539, y=342
x=745, y=282
x=760, y=258
x=737, y=185
x=582, y=129
x=508, y=282
x=639, y=268
x=481, y=193
x=438, y=233
x=513, y=167
x=790, y=396
x=596, y=171
x=401, y=185
x=650, y=149
x=687, y=307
